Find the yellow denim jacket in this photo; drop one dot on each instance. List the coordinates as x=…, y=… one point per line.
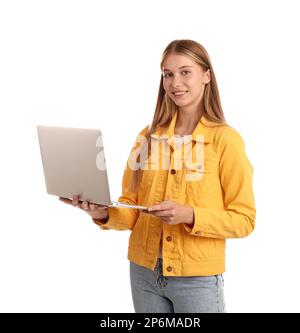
x=219, y=188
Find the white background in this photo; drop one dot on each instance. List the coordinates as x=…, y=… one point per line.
x=95, y=64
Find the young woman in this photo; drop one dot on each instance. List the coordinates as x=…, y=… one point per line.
x=189, y=167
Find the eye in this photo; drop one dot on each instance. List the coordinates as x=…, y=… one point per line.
x=166, y=75
x=184, y=73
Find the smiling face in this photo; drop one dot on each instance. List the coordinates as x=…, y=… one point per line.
x=184, y=80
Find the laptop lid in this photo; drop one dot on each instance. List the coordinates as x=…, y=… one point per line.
x=74, y=163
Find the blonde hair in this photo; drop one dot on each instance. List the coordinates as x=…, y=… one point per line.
x=165, y=108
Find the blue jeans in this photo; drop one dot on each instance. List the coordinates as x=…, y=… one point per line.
x=154, y=293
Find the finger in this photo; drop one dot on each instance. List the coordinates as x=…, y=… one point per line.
x=165, y=205
x=94, y=206
x=85, y=205
x=75, y=200
x=161, y=213
x=154, y=208
x=65, y=200
x=101, y=207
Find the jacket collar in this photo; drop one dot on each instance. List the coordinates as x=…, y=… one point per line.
x=202, y=132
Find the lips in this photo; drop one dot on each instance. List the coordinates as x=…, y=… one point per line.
x=179, y=92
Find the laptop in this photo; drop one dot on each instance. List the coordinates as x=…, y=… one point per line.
x=74, y=163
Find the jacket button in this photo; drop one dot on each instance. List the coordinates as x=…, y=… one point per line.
x=173, y=171
x=169, y=269
x=169, y=238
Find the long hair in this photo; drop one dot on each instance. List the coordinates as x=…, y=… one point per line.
x=165, y=108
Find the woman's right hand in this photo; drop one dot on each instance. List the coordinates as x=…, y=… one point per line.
x=98, y=212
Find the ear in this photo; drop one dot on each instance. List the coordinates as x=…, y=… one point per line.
x=207, y=77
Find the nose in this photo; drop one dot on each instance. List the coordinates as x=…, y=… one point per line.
x=176, y=81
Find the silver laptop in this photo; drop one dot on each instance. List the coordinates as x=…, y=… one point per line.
x=74, y=163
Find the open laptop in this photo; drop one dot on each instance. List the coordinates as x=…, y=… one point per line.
x=74, y=163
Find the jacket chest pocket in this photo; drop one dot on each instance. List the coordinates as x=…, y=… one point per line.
x=199, y=177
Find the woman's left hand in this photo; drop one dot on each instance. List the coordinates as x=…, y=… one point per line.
x=172, y=212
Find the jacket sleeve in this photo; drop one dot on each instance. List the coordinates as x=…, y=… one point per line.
x=124, y=218
x=235, y=171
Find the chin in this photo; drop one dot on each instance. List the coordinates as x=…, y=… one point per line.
x=181, y=104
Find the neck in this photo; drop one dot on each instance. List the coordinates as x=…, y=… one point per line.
x=187, y=120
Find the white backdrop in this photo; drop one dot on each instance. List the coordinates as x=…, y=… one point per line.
x=95, y=64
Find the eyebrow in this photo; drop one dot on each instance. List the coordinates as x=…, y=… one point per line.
x=179, y=68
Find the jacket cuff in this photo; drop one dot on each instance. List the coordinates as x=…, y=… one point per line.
x=100, y=224
x=199, y=222
x=105, y=225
